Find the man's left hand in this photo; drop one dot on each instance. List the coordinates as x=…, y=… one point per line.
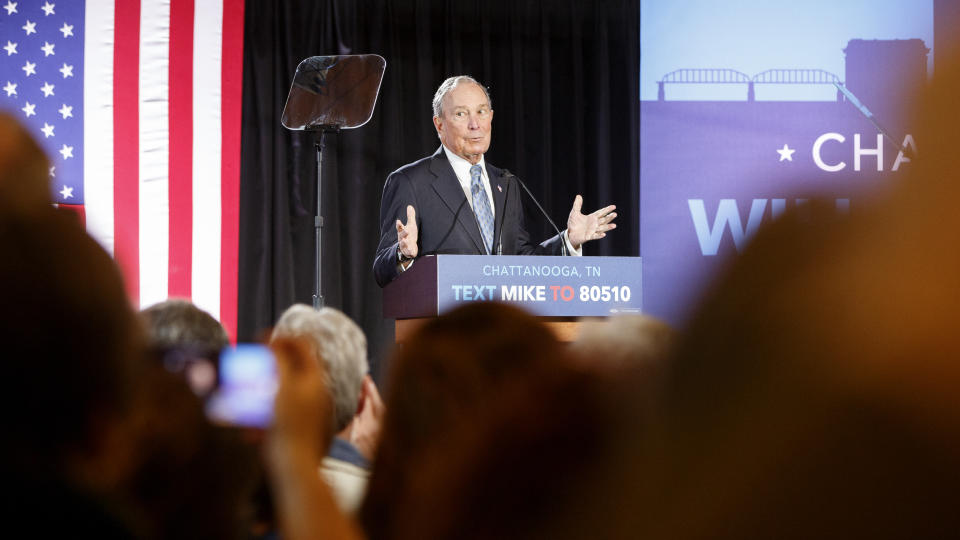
x=583, y=228
x=366, y=424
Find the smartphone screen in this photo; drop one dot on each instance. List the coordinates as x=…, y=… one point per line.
x=247, y=386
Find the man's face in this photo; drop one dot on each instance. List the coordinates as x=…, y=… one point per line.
x=464, y=126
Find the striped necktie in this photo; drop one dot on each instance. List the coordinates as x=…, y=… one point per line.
x=481, y=207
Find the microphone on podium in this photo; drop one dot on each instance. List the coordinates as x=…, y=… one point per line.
x=507, y=175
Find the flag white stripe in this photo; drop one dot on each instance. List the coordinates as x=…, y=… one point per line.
x=98, y=121
x=207, y=57
x=154, y=150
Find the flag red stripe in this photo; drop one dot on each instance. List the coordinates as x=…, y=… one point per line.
x=126, y=127
x=181, y=149
x=231, y=103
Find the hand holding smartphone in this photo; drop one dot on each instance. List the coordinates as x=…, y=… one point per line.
x=246, y=387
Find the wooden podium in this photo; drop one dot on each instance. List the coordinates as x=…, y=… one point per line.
x=560, y=290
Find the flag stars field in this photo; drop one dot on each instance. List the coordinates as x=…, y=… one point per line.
x=97, y=98
x=41, y=78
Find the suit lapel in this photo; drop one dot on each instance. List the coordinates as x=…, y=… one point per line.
x=448, y=189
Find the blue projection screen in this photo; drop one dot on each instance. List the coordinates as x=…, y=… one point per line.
x=750, y=107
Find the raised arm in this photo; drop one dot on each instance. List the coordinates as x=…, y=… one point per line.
x=295, y=447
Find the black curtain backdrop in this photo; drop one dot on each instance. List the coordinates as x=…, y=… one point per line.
x=563, y=77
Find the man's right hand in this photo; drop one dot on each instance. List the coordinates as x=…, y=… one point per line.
x=407, y=234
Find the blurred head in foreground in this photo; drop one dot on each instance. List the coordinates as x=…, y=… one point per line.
x=73, y=355
x=489, y=428
x=813, y=394
x=636, y=343
x=24, y=168
x=73, y=343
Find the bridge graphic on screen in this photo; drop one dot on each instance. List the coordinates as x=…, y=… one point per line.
x=732, y=76
x=714, y=165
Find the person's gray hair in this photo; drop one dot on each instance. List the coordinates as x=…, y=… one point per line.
x=342, y=346
x=449, y=85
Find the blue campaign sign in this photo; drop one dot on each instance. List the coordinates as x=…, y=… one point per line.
x=545, y=286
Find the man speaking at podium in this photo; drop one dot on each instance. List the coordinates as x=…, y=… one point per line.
x=454, y=203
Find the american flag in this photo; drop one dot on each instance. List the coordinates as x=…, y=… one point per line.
x=138, y=103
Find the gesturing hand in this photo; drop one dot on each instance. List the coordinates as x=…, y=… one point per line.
x=583, y=228
x=407, y=234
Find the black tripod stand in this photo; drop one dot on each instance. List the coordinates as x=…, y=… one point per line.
x=328, y=94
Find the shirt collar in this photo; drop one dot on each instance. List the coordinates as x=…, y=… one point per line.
x=461, y=167
x=344, y=451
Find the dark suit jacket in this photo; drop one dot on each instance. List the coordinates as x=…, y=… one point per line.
x=445, y=218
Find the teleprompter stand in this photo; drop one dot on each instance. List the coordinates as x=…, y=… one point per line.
x=328, y=94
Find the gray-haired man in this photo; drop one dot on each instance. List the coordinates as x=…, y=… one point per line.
x=358, y=409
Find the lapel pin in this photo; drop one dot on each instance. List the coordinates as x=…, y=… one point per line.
x=500, y=189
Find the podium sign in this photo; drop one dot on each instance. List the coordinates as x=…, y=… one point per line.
x=545, y=286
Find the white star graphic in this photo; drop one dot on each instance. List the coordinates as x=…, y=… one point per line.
x=11, y=7
x=29, y=68
x=66, y=111
x=52, y=169
x=66, y=151
x=29, y=109
x=47, y=130
x=67, y=30
x=47, y=49
x=10, y=89
x=11, y=48
x=30, y=28
x=786, y=153
x=66, y=70
x=66, y=192
x=47, y=89
x=47, y=9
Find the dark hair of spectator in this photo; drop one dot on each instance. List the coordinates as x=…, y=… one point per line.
x=71, y=341
x=442, y=380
